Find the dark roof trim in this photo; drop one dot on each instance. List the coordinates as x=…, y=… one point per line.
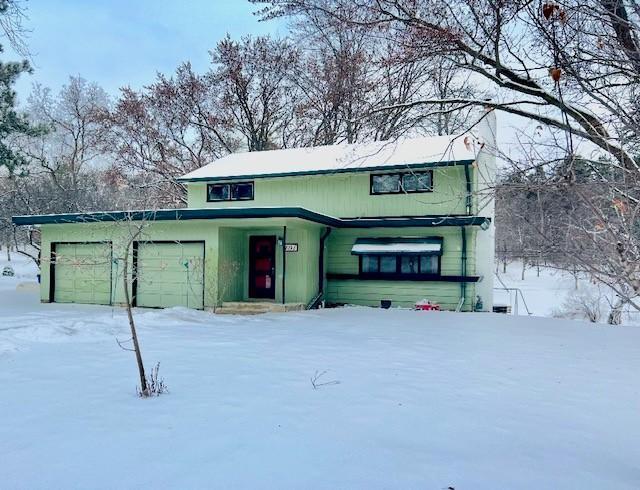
x=247, y=213
x=176, y=215
x=331, y=171
x=414, y=221
x=401, y=277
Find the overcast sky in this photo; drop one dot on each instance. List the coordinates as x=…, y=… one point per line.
x=126, y=42
x=120, y=42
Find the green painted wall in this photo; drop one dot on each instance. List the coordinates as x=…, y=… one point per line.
x=347, y=195
x=226, y=254
x=119, y=234
x=402, y=293
x=232, y=264
x=302, y=266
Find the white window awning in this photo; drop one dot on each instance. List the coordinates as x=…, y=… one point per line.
x=397, y=246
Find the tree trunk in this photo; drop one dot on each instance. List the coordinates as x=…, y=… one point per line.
x=615, y=315
x=524, y=267
x=134, y=335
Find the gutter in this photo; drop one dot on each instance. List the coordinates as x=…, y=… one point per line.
x=284, y=261
x=468, y=201
x=463, y=236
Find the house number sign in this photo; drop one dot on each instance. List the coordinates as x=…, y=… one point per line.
x=291, y=247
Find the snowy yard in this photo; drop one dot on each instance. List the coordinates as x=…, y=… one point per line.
x=425, y=400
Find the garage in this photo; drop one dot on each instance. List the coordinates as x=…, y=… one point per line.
x=81, y=273
x=169, y=274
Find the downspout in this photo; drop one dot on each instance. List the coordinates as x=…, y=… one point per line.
x=323, y=237
x=463, y=236
x=284, y=260
x=468, y=200
x=463, y=284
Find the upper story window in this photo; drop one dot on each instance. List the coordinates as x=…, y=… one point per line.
x=401, y=182
x=233, y=191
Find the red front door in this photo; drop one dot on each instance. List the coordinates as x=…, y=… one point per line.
x=262, y=267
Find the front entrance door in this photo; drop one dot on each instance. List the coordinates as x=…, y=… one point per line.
x=262, y=267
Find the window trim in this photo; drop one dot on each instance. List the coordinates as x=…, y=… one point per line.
x=398, y=274
x=400, y=174
x=230, y=184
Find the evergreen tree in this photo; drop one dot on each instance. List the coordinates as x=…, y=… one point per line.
x=11, y=122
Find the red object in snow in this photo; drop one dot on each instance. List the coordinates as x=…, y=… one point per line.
x=427, y=306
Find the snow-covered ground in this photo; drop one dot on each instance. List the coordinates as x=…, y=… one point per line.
x=425, y=400
x=548, y=293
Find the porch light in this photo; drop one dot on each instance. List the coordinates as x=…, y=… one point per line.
x=280, y=241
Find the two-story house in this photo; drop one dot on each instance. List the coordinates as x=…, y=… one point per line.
x=293, y=228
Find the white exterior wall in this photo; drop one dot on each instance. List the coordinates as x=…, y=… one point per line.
x=484, y=190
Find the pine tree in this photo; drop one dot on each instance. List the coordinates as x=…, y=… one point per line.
x=11, y=122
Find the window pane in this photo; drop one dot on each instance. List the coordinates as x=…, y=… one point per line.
x=416, y=181
x=409, y=264
x=218, y=192
x=382, y=184
x=369, y=263
x=242, y=191
x=429, y=264
x=388, y=264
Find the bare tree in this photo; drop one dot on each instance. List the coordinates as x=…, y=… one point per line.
x=166, y=130
x=571, y=68
x=70, y=148
x=253, y=77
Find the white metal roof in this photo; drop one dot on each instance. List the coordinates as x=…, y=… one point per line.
x=340, y=158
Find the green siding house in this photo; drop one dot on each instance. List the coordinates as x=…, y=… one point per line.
x=399, y=221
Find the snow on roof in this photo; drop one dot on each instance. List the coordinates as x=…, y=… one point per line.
x=340, y=158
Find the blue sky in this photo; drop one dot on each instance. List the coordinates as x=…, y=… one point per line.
x=119, y=42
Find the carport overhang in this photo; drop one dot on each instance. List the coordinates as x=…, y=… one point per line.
x=296, y=213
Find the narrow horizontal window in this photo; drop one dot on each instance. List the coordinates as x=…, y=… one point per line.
x=218, y=192
x=416, y=182
x=235, y=191
x=385, y=184
x=406, y=182
x=242, y=191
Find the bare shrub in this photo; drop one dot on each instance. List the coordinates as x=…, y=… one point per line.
x=582, y=304
x=155, y=385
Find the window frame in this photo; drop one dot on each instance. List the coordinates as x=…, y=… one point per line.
x=230, y=192
x=400, y=174
x=398, y=274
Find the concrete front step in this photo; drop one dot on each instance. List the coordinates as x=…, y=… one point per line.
x=256, y=307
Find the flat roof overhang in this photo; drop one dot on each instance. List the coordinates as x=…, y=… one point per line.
x=185, y=214
x=406, y=166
